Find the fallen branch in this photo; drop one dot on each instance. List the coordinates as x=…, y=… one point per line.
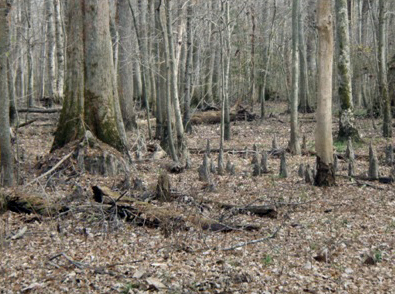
x=51, y=170
x=27, y=123
x=242, y=244
x=78, y=264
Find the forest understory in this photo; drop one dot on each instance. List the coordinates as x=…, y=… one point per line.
x=339, y=239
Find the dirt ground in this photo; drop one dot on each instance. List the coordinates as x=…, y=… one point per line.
x=339, y=239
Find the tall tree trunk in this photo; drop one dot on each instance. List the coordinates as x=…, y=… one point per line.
x=383, y=83
x=304, y=90
x=346, y=121
x=252, y=91
x=323, y=133
x=294, y=145
x=59, y=50
x=226, y=88
x=181, y=142
x=20, y=74
x=267, y=56
x=6, y=157
x=188, y=70
x=170, y=140
x=125, y=66
x=142, y=71
x=30, y=69
x=51, y=43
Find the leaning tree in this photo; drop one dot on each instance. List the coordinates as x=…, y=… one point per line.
x=90, y=98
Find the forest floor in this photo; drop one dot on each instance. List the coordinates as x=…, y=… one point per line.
x=339, y=239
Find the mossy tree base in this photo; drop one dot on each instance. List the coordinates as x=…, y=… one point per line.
x=325, y=176
x=346, y=127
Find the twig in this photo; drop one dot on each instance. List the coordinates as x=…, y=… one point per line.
x=242, y=244
x=80, y=265
x=51, y=170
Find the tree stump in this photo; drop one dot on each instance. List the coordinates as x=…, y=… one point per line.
x=350, y=154
x=351, y=172
x=208, y=148
x=389, y=155
x=308, y=175
x=255, y=155
x=221, y=168
x=264, y=165
x=283, y=166
x=204, y=172
x=301, y=170
x=373, y=172
x=275, y=143
x=163, y=192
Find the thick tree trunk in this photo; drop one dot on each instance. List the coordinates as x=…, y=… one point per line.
x=125, y=66
x=90, y=98
x=346, y=122
x=294, y=145
x=6, y=157
x=323, y=133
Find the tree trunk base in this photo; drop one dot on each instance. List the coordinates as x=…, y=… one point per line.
x=325, y=174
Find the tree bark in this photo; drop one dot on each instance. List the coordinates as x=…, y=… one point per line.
x=51, y=43
x=382, y=64
x=6, y=157
x=59, y=50
x=125, y=66
x=346, y=122
x=323, y=133
x=294, y=145
x=90, y=99
x=188, y=71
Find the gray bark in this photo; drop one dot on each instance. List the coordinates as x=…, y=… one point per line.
x=382, y=64
x=6, y=157
x=59, y=50
x=51, y=43
x=346, y=122
x=125, y=64
x=294, y=145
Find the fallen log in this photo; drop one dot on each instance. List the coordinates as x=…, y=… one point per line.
x=146, y=214
x=20, y=201
x=262, y=211
x=238, y=113
x=40, y=110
